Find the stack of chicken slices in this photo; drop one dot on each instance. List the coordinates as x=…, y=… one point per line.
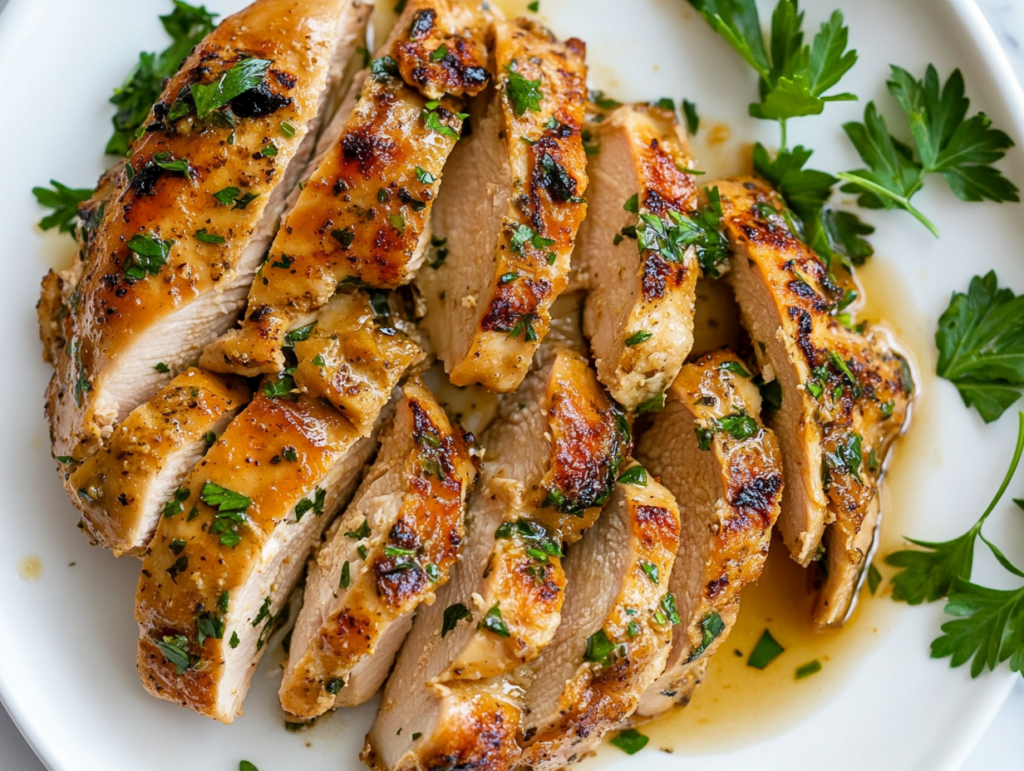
x=237, y=396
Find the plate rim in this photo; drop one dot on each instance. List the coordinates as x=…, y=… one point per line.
x=1009, y=90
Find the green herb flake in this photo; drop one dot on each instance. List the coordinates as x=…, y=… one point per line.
x=765, y=651
x=523, y=94
x=346, y=576
x=634, y=475
x=811, y=668
x=453, y=614
x=629, y=741
x=287, y=129
x=162, y=368
x=243, y=76
x=209, y=238
x=690, y=114
x=493, y=622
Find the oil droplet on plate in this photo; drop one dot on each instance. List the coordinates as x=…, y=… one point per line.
x=30, y=568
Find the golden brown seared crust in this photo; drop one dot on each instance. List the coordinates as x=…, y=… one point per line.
x=441, y=47
x=50, y=312
x=589, y=441
x=405, y=561
x=111, y=310
x=600, y=695
x=476, y=731
x=355, y=355
x=548, y=179
x=855, y=389
x=192, y=569
x=361, y=219
x=112, y=485
x=639, y=315
x=709, y=447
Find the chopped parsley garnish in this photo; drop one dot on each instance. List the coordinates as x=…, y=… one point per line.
x=493, y=622
x=700, y=230
x=346, y=576
x=263, y=612
x=765, y=651
x=383, y=69
x=811, y=668
x=650, y=570
x=162, y=368
x=735, y=368
x=287, y=129
x=64, y=201
x=344, y=237
x=533, y=533
x=634, y=475
x=981, y=346
x=175, y=650
x=453, y=614
x=534, y=6
x=846, y=457
x=269, y=151
x=439, y=53
x=334, y=686
x=298, y=335
x=232, y=196
x=629, y=741
x=523, y=94
x=425, y=176
x=243, y=76
x=637, y=338
x=632, y=204
x=655, y=404
x=209, y=238
x=692, y=119
x=432, y=120
x=316, y=504
x=360, y=532
x=666, y=612
x=525, y=328
x=176, y=505
x=149, y=254
x=711, y=627
x=600, y=649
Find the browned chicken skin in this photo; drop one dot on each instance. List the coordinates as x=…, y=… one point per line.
x=640, y=306
x=549, y=465
x=616, y=628
x=386, y=556
x=845, y=395
x=159, y=284
x=511, y=207
x=710, y=449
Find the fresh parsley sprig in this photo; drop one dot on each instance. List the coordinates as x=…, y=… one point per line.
x=794, y=76
x=64, y=201
x=981, y=346
x=989, y=624
x=945, y=141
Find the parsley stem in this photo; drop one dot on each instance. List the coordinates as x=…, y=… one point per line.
x=1009, y=474
x=782, y=132
x=901, y=201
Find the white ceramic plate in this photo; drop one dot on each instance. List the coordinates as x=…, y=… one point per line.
x=67, y=640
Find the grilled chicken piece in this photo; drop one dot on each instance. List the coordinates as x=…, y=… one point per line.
x=232, y=544
x=510, y=211
x=440, y=47
x=709, y=448
x=616, y=626
x=123, y=488
x=355, y=353
x=639, y=313
x=845, y=395
x=362, y=217
x=551, y=459
x=160, y=284
x=386, y=556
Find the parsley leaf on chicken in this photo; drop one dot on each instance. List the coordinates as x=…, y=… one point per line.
x=946, y=142
x=794, y=75
x=981, y=346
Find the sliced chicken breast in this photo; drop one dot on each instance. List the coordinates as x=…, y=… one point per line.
x=362, y=218
x=440, y=46
x=123, y=489
x=639, y=312
x=225, y=558
x=710, y=449
x=511, y=207
x=616, y=628
x=355, y=352
x=387, y=555
x=194, y=209
x=550, y=463
x=845, y=395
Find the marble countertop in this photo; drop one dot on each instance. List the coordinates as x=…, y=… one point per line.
x=1001, y=749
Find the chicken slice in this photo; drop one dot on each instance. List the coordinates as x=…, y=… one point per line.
x=550, y=463
x=386, y=556
x=511, y=207
x=195, y=207
x=224, y=560
x=639, y=313
x=355, y=353
x=616, y=626
x=440, y=47
x=123, y=488
x=710, y=449
x=845, y=395
x=362, y=218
